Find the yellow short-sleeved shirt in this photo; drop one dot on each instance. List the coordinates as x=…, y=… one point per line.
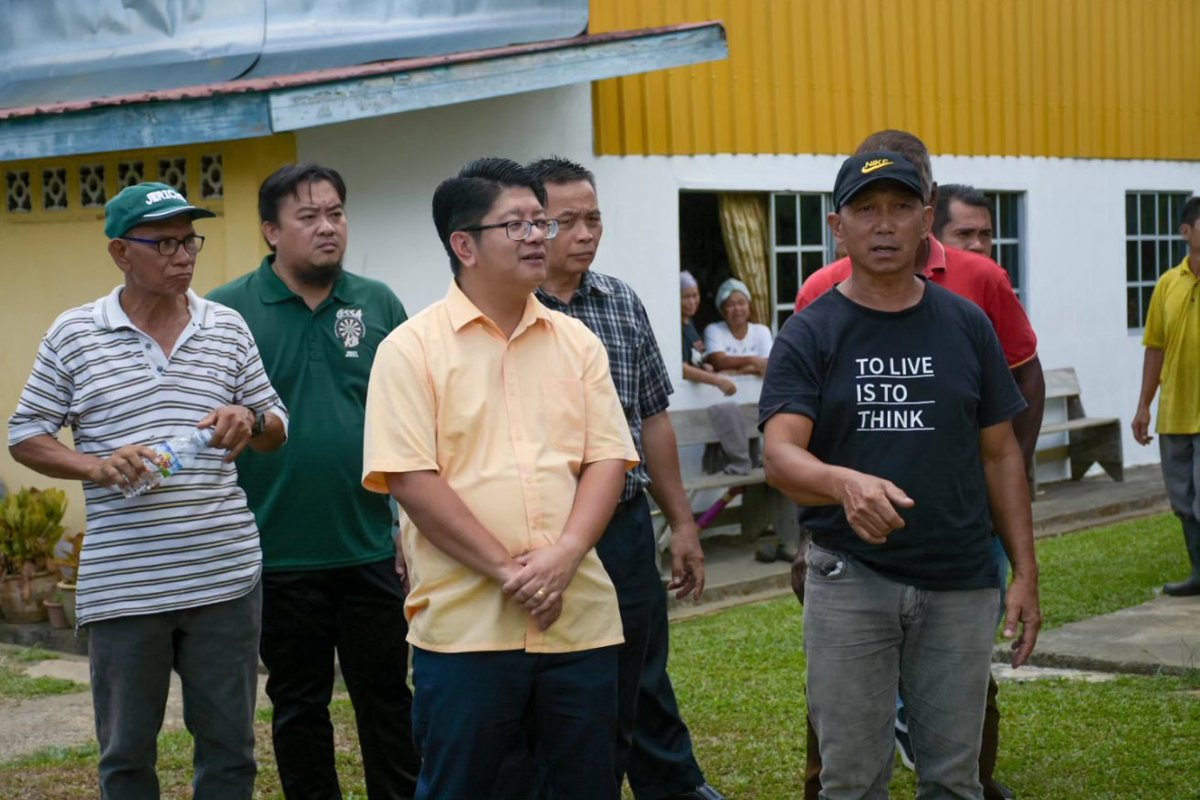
x=1173, y=325
x=508, y=424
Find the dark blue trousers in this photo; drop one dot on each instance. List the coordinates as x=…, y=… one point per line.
x=470, y=710
x=654, y=748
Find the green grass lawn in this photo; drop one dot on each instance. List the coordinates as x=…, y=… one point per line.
x=16, y=685
x=739, y=675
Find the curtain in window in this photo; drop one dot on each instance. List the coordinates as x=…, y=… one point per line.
x=744, y=229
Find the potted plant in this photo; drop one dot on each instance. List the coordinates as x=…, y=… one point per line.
x=30, y=528
x=69, y=564
x=55, y=612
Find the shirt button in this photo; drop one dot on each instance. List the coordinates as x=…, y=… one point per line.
x=160, y=369
x=147, y=347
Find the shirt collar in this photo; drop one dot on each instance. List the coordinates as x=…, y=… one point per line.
x=1186, y=268
x=272, y=289
x=463, y=312
x=936, y=260
x=591, y=283
x=108, y=314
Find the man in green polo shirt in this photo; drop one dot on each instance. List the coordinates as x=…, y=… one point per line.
x=330, y=576
x=1172, y=340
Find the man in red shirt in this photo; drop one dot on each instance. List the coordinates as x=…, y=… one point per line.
x=976, y=277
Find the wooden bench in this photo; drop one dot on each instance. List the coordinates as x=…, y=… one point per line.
x=1090, y=440
x=753, y=514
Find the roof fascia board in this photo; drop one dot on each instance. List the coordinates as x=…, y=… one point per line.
x=162, y=124
x=312, y=106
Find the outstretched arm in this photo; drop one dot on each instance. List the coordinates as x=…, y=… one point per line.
x=870, y=502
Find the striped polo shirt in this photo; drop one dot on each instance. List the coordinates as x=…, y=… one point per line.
x=191, y=541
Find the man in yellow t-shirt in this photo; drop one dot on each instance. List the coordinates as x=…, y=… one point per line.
x=494, y=423
x=1172, y=360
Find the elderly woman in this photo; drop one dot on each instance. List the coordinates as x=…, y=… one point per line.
x=694, y=368
x=737, y=344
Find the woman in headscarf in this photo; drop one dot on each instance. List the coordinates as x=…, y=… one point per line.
x=737, y=344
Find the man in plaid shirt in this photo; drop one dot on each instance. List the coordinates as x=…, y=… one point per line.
x=655, y=748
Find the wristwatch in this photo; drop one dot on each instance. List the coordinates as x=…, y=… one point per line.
x=260, y=424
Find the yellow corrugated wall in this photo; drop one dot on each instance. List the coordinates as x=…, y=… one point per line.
x=1069, y=78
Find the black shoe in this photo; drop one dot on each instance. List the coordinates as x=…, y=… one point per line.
x=766, y=554
x=1188, y=588
x=904, y=747
x=701, y=792
x=998, y=791
x=786, y=553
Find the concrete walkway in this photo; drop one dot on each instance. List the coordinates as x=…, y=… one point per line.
x=1158, y=637
x=66, y=720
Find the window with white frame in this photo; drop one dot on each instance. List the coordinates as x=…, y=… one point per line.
x=801, y=243
x=1007, y=227
x=1152, y=246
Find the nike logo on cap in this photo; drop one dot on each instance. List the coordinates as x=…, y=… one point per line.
x=876, y=163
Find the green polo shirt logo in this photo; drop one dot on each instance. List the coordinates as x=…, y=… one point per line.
x=350, y=329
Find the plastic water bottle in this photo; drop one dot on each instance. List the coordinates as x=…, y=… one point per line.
x=170, y=457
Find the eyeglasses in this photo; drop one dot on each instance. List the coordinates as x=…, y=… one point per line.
x=170, y=246
x=519, y=229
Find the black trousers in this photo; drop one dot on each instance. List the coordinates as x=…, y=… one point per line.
x=659, y=760
x=359, y=613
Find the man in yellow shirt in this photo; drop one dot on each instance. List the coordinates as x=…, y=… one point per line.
x=1172, y=360
x=494, y=423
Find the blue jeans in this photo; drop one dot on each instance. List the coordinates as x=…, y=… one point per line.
x=867, y=637
x=214, y=649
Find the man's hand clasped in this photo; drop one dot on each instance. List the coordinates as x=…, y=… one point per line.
x=542, y=576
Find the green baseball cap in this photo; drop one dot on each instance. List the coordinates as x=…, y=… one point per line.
x=146, y=202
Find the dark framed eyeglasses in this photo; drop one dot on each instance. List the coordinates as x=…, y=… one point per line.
x=519, y=229
x=170, y=246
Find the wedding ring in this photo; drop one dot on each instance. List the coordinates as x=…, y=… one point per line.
x=539, y=594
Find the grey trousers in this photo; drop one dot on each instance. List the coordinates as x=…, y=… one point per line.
x=866, y=637
x=214, y=649
x=1181, y=472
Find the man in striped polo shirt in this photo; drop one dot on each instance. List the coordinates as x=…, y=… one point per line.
x=169, y=578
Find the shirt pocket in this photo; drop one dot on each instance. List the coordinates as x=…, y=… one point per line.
x=565, y=414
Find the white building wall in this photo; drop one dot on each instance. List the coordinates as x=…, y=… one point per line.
x=1073, y=236
x=393, y=164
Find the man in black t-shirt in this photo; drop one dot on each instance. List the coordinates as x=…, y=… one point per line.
x=886, y=410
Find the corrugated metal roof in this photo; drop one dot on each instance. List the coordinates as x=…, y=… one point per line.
x=60, y=50
x=258, y=107
x=334, y=74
